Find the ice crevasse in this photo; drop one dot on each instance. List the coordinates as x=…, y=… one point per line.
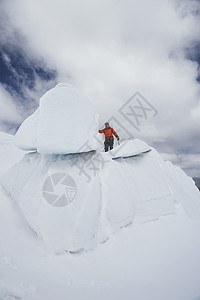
x=75, y=199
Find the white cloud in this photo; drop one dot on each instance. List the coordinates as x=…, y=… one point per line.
x=9, y=112
x=189, y=162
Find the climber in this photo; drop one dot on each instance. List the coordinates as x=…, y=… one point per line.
x=109, y=139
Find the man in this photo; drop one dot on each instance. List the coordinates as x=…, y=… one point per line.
x=109, y=139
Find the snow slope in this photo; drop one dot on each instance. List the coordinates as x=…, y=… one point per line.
x=110, y=194
x=146, y=260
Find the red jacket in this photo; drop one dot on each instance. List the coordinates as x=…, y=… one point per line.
x=108, y=131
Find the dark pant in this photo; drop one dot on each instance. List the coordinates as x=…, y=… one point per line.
x=108, y=143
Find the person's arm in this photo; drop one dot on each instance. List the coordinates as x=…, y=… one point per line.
x=115, y=134
x=101, y=131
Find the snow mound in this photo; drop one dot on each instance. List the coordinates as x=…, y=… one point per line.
x=63, y=123
x=76, y=201
x=26, y=136
x=130, y=148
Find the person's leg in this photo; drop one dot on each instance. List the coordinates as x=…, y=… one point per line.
x=106, y=144
x=111, y=143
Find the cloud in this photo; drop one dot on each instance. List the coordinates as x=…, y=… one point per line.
x=9, y=112
x=112, y=48
x=189, y=162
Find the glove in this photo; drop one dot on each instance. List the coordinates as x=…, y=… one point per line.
x=117, y=138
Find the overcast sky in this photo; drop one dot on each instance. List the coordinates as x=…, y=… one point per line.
x=109, y=49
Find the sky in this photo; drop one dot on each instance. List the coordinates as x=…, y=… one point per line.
x=123, y=55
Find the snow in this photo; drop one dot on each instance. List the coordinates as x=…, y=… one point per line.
x=78, y=224
x=129, y=148
x=154, y=260
x=64, y=123
x=9, y=153
x=26, y=136
x=110, y=194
